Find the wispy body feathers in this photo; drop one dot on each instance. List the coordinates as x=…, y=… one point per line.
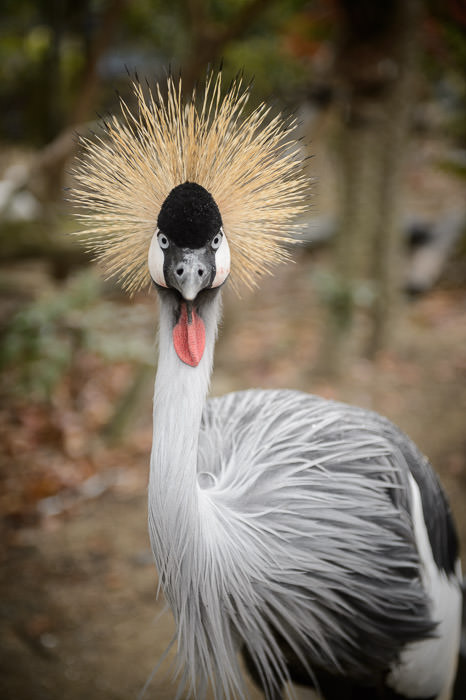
x=249, y=162
x=281, y=524
x=304, y=536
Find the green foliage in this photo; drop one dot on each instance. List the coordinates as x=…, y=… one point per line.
x=336, y=295
x=44, y=48
x=342, y=297
x=39, y=342
x=274, y=72
x=453, y=167
x=158, y=29
x=444, y=62
x=42, y=341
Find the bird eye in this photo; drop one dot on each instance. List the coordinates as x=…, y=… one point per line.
x=216, y=241
x=163, y=241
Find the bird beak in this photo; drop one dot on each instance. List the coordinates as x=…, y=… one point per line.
x=190, y=271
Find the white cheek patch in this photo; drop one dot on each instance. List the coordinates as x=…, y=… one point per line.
x=156, y=260
x=222, y=262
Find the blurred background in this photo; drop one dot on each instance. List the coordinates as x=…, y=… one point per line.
x=373, y=310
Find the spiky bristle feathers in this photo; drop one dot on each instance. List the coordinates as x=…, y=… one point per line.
x=250, y=163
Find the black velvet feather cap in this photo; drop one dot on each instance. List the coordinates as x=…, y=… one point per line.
x=189, y=216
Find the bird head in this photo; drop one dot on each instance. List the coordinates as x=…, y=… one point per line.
x=189, y=250
x=185, y=183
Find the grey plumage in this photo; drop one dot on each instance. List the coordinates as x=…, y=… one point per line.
x=298, y=537
x=322, y=492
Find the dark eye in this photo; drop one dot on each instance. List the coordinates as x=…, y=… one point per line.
x=216, y=241
x=163, y=241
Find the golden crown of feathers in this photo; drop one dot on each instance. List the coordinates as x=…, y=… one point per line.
x=251, y=164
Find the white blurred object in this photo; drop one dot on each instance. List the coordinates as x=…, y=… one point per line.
x=16, y=202
x=429, y=256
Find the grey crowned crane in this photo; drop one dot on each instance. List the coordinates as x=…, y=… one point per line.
x=309, y=535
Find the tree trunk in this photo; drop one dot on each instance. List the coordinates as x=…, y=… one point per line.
x=386, y=254
x=47, y=175
x=375, y=70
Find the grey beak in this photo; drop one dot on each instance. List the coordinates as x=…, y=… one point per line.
x=190, y=271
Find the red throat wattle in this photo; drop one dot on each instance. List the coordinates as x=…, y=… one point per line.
x=189, y=336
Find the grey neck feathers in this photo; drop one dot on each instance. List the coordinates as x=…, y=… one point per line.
x=179, y=398
x=177, y=521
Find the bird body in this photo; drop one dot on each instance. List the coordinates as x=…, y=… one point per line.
x=295, y=527
x=310, y=535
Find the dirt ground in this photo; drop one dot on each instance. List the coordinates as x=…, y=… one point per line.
x=78, y=588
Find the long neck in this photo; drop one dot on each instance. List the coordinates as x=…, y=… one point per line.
x=179, y=397
x=180, y=521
